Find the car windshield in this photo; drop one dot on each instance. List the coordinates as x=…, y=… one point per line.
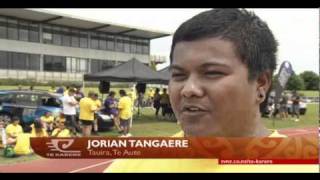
x=50, y=101
x=27, y=99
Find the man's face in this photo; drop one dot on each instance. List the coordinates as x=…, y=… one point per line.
x=16, y=122
x=209, y=89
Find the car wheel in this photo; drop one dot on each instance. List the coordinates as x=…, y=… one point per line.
x=5, y=117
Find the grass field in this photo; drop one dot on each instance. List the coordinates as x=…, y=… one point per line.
x=147, y=125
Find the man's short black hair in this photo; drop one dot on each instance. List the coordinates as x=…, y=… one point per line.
x=253, y=40
x=122, y=92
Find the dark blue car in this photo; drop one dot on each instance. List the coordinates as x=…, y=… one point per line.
x=30, y=105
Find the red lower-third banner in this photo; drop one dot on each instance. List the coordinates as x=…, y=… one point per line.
x=303, y=148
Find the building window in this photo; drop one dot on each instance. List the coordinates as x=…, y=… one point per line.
x=18, y=60
x=110, y=42
x=3, y=27
x=75, y=38
x=23, y=31
x=34, y=32
x=102, y=41
x=126, y=45
x=54, y=63
x=34, y=62
x=56, y=35
x=82, y=65
x=145, y=47
x=119, y=44
x=66, y=37
x=3, y=60
x=133, y=45
x=12, y=29
x=94, y=41
x=139, y=47
x=95, y=67
x=83, y=39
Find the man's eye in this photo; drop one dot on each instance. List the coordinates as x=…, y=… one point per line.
x=178, y=75
x=213, y=73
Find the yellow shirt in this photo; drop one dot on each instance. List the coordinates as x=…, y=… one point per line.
x=125, y=108
x=13, y=130
x=164, y=99
x=46, y=119
x=22, y=146
x=87, y=108
x=133, y=94
x=63, y=133
x=43, y=133
x=199, y=165
x=97, y=103
x=66, y=92
x=51, y=90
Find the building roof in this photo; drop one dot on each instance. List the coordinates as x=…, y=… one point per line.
x=43, y=16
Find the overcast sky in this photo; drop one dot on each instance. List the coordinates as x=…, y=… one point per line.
x=297, y=30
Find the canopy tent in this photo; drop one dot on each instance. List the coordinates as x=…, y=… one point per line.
x=130, y=71
x=165, y=73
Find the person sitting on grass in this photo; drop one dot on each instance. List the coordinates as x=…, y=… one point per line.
x=12, y=130
x=38, y=130
x=47, y=121
x=61, y=131
x=23, y=146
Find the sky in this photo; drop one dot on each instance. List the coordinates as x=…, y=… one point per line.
x=296, y=30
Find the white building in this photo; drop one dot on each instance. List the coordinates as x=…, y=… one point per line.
x=36, y=44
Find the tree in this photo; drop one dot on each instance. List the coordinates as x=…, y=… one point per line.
x=311, y=80
x=295, y=83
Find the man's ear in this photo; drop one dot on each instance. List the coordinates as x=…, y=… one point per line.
x=263, y=84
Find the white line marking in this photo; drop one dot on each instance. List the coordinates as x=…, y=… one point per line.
x=91, y=166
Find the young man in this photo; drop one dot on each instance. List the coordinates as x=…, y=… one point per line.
x=87, y=109
x=98, y=105
x=13, y=130
x=47, y=121
x=222, y=62
x=61, y=130
x=125, y=112
x=69, y=110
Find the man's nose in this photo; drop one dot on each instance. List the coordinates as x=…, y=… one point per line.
x=192, y=88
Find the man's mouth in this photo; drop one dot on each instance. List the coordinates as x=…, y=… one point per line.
x=193, y=109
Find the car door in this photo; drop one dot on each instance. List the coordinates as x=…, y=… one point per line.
x=28, y=103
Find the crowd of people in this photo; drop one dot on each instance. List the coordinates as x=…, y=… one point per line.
x=282, y=107
x=78, y=118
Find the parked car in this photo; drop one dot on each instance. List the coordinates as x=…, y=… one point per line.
x=30, y=105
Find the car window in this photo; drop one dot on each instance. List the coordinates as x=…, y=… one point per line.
x=27, y=99
x=50, y=101
x=6, y=98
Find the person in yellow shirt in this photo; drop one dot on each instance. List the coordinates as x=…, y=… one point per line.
x=38, y=130
x=98, y=105
x=13, y=130
x=61, y=130
x=47, y=121
x=125, y=112
x=23, y=146
x=164, y=102
x=222, y=61
x=87, y=109
x=52, y=89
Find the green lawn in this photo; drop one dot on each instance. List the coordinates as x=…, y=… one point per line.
x=147, y=125
x=310, y=119
x=20, y=159
x=310, y=93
